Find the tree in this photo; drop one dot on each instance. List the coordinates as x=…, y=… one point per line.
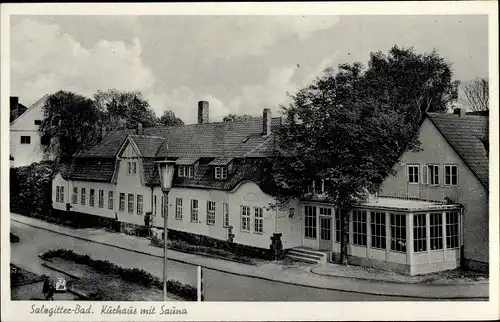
x=477, y=94
x=169, y=119
x=234, y=117
x=71, y=121
x=347, y=129
x=124, y=109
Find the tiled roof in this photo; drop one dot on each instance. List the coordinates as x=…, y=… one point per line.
x=148, y=145
x=92, y=169
x=220, y=161
x=108, y=147
x=186, y=160
x=466, y=134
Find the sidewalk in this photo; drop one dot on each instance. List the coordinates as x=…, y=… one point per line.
x=273, y=271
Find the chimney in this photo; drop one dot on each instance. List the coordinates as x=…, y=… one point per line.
x=457, y=111
x=266, y=122
x=202, y=112
x=14, y=108
x=139, y=128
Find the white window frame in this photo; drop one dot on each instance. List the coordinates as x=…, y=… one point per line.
x=129, y=168
x=58, y=194
x=26, y=136
x=101, y=198
x=378, y=230
x=154, y=205
x=217, y=172
x=194, y=216
x=83, y=196
x=245, y=219
x=130, y=203
x=398, y=230
x=452, y=239
x=310, y=222
x=61, y=198
x=258, y=220
x=181, y=171
x=223, y=173
x=420, y=233
x=436, y=231
x=74, y=196
x=359, y=227
x=122, y=200
x=450, y=166
x=134, y=168
x=190, y=173
x=111, y=199
x=210, y=213
x=92, y=198
x=417, y=176
x=225, y=214
x=140, y=205
x=431, y=174
x=178, y=208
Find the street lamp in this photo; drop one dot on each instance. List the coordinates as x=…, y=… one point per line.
x=166, y=171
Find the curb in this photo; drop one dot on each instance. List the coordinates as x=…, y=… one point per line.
x=259, y=277
x=374, y=280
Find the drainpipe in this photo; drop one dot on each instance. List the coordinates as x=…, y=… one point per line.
x=462, y=251
x=152, y=206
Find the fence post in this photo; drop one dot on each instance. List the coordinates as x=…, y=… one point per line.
x=200, y=284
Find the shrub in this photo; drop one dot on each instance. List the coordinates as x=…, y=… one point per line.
x=134, y=275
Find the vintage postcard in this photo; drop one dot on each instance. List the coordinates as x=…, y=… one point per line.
x=249, y=161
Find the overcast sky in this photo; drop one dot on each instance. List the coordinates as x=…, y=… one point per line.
x=239, y=64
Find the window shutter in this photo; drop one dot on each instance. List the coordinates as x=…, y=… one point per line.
x=425, y=169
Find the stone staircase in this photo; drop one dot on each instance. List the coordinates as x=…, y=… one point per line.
x=307, y=255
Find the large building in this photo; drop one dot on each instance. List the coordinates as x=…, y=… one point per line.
x=222, y=189
x=25, y=141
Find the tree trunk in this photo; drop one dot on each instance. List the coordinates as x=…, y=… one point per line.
x=344, y=230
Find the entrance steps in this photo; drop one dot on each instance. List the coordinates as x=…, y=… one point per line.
x=307, y=255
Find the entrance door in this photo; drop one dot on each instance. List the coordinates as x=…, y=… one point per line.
x=325, y=229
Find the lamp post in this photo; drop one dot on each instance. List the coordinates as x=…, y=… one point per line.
x=166, y=171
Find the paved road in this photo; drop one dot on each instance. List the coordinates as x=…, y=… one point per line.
x=218, y=286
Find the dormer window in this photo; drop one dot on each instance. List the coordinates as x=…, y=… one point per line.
x=185, y=171
x=221, y=173
x=131, y=168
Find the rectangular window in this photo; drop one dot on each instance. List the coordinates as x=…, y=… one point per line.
x=194, y=210
x=378, y=230
x=225, y=214
x=25, y=139
x=101, y=198
x=452, y=225
x=259, y=220
x=58, y=194
x=413, y=174
x=217, y=172
x=129, y=168
x=178, y=208
x=61, y=198
x=182, y=171
x=337, y=226
x=419, y=233
x=134, y=168
x=82, y=196
x=74, y=197
x=92, y=198
x=433, y=171
x=38, y=122
x=359, y=227
x=130, y=205
x=164, y=206
x=190, y=171
x=450, y=175
x=111, y=199
x=310, y=222
x=223, y=173
x=398, y=232
x=139, y=205
x=245, y=218
x=122, y=201
x=154, y=205
x=436, y=230
x=210, y=212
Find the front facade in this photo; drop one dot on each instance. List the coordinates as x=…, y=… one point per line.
x=25, y=141
x=220, y=190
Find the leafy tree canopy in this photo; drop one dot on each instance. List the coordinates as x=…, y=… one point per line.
x=169, y=119
x=72, y=122
x=350, y=126
x=234, y=117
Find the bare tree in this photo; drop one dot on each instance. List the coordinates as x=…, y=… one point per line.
x=476, y=94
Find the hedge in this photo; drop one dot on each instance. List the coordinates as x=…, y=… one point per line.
x=134, y=275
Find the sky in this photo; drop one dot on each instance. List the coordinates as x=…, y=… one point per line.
x=240, y=64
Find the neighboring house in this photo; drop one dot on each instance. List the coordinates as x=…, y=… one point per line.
x=223, y=187
x=453, y=165
x=25, y=142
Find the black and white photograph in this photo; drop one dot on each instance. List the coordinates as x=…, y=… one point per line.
x=179, y=157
